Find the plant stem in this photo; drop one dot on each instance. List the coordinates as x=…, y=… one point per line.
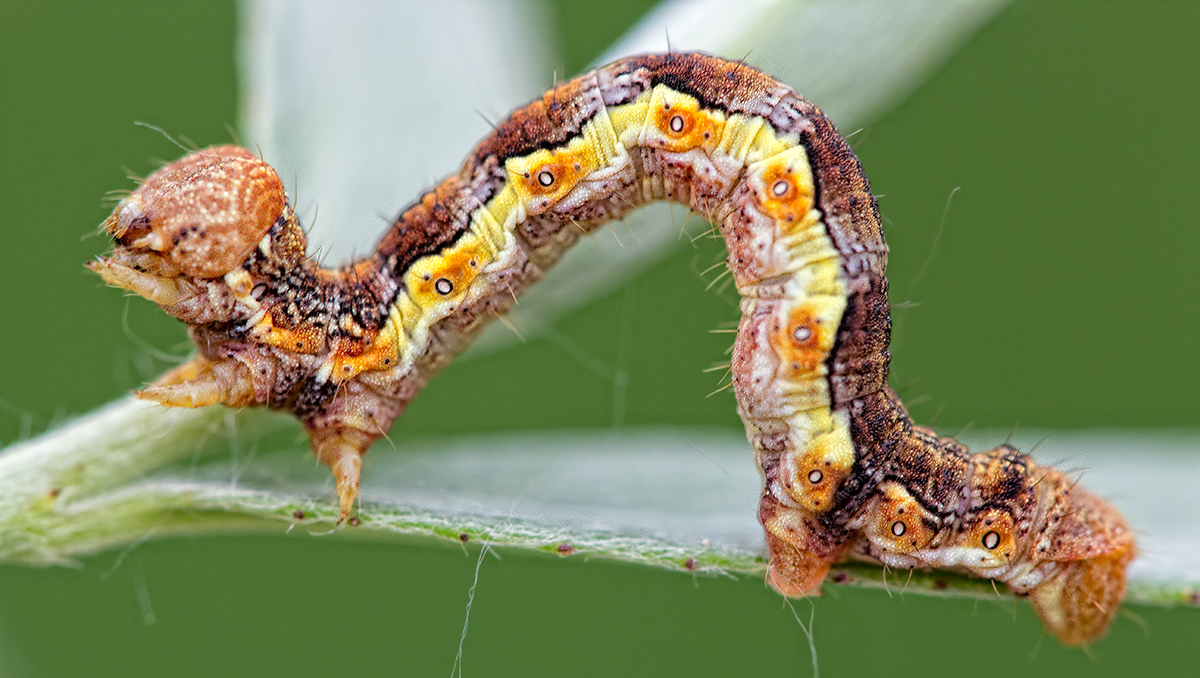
x=116, y=478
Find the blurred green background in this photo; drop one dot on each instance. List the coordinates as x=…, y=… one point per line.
x=1060, y=293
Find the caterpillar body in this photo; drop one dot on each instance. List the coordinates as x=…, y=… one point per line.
x=212, y=239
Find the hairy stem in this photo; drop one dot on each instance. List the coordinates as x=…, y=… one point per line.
x=132, y=471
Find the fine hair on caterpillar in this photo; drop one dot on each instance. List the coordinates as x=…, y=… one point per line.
x=213, y=240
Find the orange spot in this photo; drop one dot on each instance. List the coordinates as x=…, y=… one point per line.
x=815, y=476
x=899, y=522
x=783, y=197
x=459, y=268
x=351, y=358
x=555, y=177
x=303, y=339
x=801, y=344
x=992, y=530
x=684, y=128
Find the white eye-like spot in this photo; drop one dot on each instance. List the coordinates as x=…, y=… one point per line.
x=545, y=178
x=991, y=539
x=780, y=188
x=443, y=286
x=803, y=333
x=815, y=476
x=899, y=528
x=676, y=123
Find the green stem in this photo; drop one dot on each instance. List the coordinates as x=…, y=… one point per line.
x=47, y=483
x=117, y=477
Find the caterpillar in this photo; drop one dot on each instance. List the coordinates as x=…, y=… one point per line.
x=212, y=240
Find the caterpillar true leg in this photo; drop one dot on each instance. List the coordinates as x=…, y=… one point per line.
x=212, y=240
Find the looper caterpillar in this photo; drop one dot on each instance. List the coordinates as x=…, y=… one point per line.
x=213, y=240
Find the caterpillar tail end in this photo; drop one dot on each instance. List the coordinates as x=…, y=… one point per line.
x=1079, y=604
x=1093, y=545
x=342, y=450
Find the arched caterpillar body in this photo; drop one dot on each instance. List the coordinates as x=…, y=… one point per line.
x=212, y=240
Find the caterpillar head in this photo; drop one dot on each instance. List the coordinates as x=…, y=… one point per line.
x=186, y=237
x=200, y=216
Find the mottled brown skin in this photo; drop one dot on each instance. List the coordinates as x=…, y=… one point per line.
x=212, y=240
